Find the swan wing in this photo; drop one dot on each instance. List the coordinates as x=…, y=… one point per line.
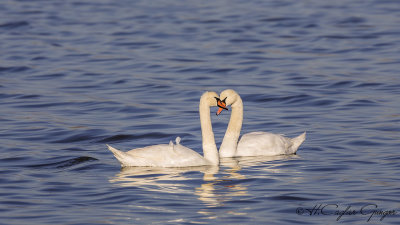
x=162, y=155
x=263, y=143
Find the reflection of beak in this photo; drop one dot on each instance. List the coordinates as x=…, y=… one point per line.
x=221, y=105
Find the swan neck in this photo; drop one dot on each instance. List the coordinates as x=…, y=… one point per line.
x=209, y=147
x=230, y=141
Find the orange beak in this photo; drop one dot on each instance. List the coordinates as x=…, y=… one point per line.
x=219, y=111
x=221, y=105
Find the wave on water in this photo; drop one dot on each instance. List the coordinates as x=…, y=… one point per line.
x=63, y=164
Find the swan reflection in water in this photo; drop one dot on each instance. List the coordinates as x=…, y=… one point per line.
x=217, y=185
x=170, y=180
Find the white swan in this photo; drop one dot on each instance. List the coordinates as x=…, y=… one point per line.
x=170, y=155
x=254, y=143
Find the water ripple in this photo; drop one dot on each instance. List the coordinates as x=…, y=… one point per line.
x=64, y=163
x=14, y=24
x=123, y=137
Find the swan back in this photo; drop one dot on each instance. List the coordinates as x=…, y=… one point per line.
x=268, y=144
x=162, y=155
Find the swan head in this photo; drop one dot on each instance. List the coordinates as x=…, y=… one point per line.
x=229, y=96
x=209, y=98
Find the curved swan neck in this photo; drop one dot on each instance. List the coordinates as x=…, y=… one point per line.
x=231, y=138
x=209, y=147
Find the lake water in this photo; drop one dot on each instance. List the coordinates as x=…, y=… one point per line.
x=77, y=75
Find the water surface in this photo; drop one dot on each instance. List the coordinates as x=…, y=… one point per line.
x=76, y=75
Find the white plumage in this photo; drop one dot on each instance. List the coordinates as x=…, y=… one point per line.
x=254, y=143
x=177, y=155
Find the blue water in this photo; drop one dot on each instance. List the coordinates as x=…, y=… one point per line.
x=76, y=75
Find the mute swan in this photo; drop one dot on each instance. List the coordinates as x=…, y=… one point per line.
x=177, y=155
x=254, y=143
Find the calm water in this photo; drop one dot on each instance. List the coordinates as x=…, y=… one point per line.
x=75, y=75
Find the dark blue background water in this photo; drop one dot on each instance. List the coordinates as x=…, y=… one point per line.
x=75, y=75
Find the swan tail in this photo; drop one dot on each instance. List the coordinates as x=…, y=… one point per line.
x=120, y=155
x=297, y=141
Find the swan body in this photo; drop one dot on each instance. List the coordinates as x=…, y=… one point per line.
x=254, y=143
x=162, y=155
x=268, y=144
x=177, y=155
